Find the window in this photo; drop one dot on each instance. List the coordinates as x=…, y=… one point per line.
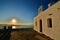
x=36, y=23
x=49, y=22
x=40, y=25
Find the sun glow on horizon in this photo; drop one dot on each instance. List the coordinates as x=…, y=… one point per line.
x=13, y=21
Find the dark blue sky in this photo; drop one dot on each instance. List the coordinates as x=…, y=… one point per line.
x=24, y=10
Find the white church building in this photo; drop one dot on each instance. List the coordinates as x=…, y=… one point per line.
x=48, y=21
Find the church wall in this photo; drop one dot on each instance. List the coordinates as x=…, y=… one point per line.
x=52, y=12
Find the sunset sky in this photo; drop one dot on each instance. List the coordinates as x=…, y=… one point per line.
x=23, y=10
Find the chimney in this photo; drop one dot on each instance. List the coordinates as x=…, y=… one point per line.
x=50, y=4
x=40, y=9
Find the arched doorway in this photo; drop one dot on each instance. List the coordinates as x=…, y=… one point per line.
x=40, y=25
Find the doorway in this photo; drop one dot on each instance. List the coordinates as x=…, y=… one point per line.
x=40, y=25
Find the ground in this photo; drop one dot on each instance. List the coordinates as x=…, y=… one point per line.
x=23, y=34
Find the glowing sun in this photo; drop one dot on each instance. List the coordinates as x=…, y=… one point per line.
x=13, y=21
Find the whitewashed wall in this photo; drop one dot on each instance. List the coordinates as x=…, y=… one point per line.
x=53, y=32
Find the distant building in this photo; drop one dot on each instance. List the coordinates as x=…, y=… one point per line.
x=48, y=22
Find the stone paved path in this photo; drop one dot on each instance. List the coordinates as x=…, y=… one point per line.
x=27, y=34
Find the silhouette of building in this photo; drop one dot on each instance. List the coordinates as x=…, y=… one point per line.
x=48, y=22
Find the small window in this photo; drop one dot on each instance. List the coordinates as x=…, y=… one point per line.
x=58, y=8
x=36, y=23
x=49, y=22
